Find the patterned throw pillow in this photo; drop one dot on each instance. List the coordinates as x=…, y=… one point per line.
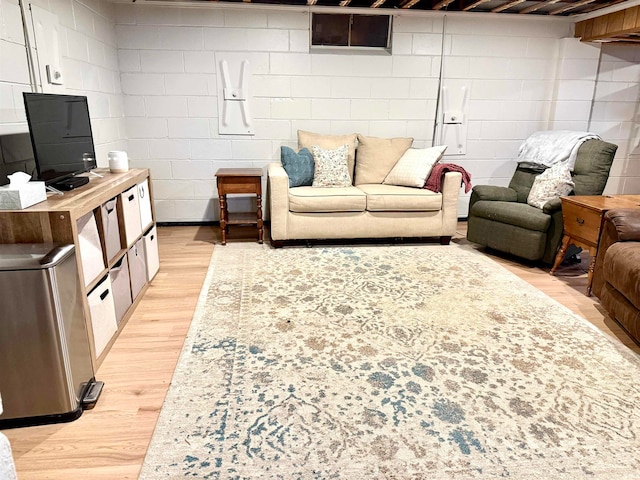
x=331, y=167
x=299, y=166
x=413, y=168
x=554, y=182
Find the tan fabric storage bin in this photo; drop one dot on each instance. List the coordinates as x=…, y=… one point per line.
x=131, y=214
x=103, y=314
x=90, y=247
x=151, y=253
x=137, y=268
x=119, y=275
x=110, y=228
x=144, y=202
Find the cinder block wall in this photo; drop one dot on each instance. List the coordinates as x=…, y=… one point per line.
x=154, y=88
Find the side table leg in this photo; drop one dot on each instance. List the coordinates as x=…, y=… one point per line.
x=592, y=266
x=223, y=218
x=560, y=255
x=259, y=213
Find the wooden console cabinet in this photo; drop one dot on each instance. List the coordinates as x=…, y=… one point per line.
x=118, y=209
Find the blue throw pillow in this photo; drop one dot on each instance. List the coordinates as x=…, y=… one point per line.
x=299, y=166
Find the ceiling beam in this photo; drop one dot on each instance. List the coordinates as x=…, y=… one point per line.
x=377, y=3
x=538, y=6
x=441, y=4
x=474, y=5
x=570, y=6
x=507, y=5
x=408, y=3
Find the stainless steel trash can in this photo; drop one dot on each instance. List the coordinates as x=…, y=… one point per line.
x=45, y=361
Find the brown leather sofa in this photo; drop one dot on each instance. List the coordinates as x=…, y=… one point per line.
x=616, y=280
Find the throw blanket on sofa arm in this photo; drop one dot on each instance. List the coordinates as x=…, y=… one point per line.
x=434, y=182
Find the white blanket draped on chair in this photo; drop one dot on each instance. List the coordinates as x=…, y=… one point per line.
x=546, y=148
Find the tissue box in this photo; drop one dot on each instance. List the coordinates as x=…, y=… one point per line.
x=23, y=196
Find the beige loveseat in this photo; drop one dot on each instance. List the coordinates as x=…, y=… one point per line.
x=366, y=209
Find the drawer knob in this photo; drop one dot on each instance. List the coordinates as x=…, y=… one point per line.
x=580, y=221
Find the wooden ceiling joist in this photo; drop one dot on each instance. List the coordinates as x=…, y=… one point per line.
x=408, y=3
x=506, y=6
x=538, y=6
x=474, y=5
x=570, y=6
x=442, y=4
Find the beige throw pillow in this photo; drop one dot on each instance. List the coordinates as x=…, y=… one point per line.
x=331, y=167
x=377, y=156
x=309, y=139
x=554, y=182
x=414, y=167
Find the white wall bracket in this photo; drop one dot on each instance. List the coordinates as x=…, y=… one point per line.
x=235, y=117
x=453, y=126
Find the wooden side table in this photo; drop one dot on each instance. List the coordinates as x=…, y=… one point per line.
x=240, y=181
x=582, y=217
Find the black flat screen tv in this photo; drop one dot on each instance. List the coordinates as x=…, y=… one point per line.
x=61, y=136
x=16, y=155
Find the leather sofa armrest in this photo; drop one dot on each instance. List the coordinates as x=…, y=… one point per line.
x=626, y=222
x=495, y=193
x=619, y=225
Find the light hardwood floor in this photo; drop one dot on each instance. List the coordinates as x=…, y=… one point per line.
x=110, y=441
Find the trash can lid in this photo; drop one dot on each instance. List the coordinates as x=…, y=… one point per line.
x=32, y=256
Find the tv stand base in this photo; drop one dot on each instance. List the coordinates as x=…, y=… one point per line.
x=71, y=183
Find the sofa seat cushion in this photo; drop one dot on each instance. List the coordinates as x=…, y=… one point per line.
x=336, y=199
x=384, y=198
x=512, y=213
x=621, y=268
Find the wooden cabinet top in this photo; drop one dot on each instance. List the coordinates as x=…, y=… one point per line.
x=85, y=198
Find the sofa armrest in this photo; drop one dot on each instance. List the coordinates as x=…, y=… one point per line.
x=450, y=193
x=495, y=193
x=626, y=222
x=552, y=205
x=278, y=188
x=619, y=225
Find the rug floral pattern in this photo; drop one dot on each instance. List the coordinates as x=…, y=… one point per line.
x=391, y=362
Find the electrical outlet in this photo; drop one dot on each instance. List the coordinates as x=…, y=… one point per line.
x=54, y=75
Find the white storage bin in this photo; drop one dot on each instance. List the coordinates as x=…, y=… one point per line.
x=103, y=315
x=131, y=214
x=137, y=268
x=90, y=248
x=110, y=228
x=151, y=253
x=119, y=276
x=144, y=199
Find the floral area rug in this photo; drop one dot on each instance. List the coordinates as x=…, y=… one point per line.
x=391, y=362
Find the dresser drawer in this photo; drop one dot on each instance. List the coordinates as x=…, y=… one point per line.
x=581, y=222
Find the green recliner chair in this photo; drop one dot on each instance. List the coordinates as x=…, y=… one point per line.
x=501, y=219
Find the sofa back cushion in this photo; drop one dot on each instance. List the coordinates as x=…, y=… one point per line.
x=330, y=142
x=377, y=156
x=591, y=171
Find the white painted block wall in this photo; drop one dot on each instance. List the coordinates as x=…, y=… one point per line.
x=152, y=80
x=88, y=61
x=170, y=83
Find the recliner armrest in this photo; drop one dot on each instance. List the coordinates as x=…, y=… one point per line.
x=552, y=205
x=495, y=193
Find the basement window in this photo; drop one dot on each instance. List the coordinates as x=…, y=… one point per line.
x=352, y=32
